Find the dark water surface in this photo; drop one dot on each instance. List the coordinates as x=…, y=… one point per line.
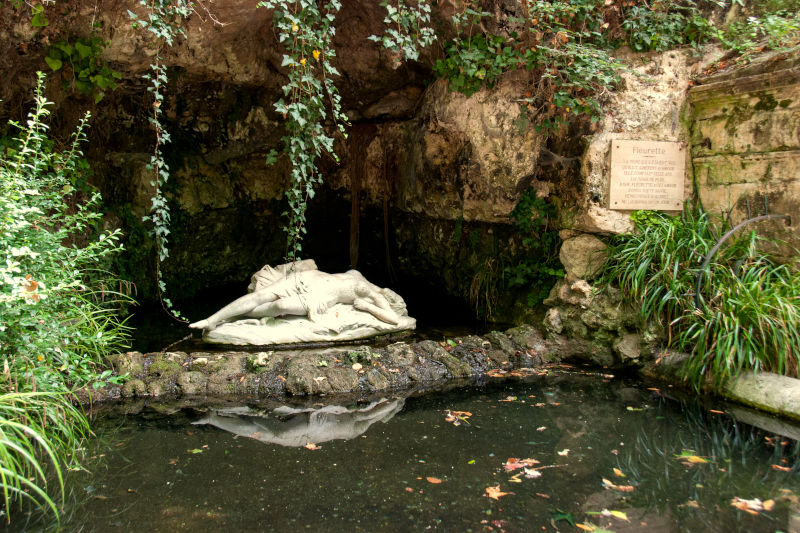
x=406, y=467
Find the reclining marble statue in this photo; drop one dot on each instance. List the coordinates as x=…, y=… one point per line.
x=296, y=303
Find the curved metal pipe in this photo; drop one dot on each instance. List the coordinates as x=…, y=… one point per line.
x=713, y=251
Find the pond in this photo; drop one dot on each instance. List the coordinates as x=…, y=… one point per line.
x=537, y=454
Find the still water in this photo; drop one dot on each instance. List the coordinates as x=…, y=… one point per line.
x=566, y=452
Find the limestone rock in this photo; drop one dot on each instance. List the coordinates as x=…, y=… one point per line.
x=582, y=256
x=627, y=347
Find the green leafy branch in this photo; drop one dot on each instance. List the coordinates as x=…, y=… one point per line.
x=90, y=74
x=406, y=30
x=306, y=30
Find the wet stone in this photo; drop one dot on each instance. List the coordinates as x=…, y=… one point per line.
x=193, y=382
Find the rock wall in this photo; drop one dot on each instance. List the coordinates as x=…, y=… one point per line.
x=742, y=127
x=745, y=139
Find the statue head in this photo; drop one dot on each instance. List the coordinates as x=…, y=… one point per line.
x=396, y=302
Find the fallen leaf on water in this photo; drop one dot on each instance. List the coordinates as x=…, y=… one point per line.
x=173, y=461
x=541, y=428
x=750, y=506
x=532, y=474
x=781, y=468
x=312, y=446
x=690, y=503
x=634, y=408
x=622, y=488
x=515, y=478
x=509, y=399
x=695, y=459
x=564, y=452
x=409, y=489
x=456, y=417
x=618, y=473
x=716, y=412
x=195, y=450
x=434, y=480
x=495, y=492
x=585, y=527
x=514, y=464
x=769, y=505
x=617, y=514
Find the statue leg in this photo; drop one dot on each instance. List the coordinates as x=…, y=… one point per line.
x=288, y=305
x=239, y=307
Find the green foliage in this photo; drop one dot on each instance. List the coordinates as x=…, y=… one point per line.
x=771, y=31
x=559, y=41
x=39, y=432
x=310, y=97
x=90, y=74
x=406, y=31
x=533, y=217
x=472, y=60
x=165, y=18
x=59, y=308
x=751, y=301
x=666, y=24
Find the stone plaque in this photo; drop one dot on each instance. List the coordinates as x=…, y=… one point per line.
x=647, y=175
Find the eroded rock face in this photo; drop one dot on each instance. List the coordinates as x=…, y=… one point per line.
x=468, y=159
x=594, y=325
x=582, y=256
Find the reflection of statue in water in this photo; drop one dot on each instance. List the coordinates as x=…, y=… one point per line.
x=326, y=301
x=290, y=426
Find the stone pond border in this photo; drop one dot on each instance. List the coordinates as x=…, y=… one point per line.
x=400, y=367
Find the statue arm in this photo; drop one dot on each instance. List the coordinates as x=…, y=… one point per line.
x=384, y=314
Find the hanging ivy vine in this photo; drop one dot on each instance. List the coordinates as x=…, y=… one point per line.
x=310, y=101
x=164, y=20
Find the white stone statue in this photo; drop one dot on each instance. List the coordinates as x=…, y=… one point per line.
x=296, y=302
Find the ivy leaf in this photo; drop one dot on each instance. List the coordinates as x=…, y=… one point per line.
x=39, y=20
x=83, y=50
x=53, y=63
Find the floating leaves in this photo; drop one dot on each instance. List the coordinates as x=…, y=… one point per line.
x=753, y=506
x=514, y=464
x=688, y=459
x=495, y=493
x=457, y=417
x=622, y=488
x=619, y=473
x=434, y=480
x=312, y=446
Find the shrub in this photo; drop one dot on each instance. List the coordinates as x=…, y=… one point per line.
x=749, y=306
x=58, y=306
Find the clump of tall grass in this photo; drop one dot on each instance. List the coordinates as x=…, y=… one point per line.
x=747, y=313
x=58, y=319
x=39, y=432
